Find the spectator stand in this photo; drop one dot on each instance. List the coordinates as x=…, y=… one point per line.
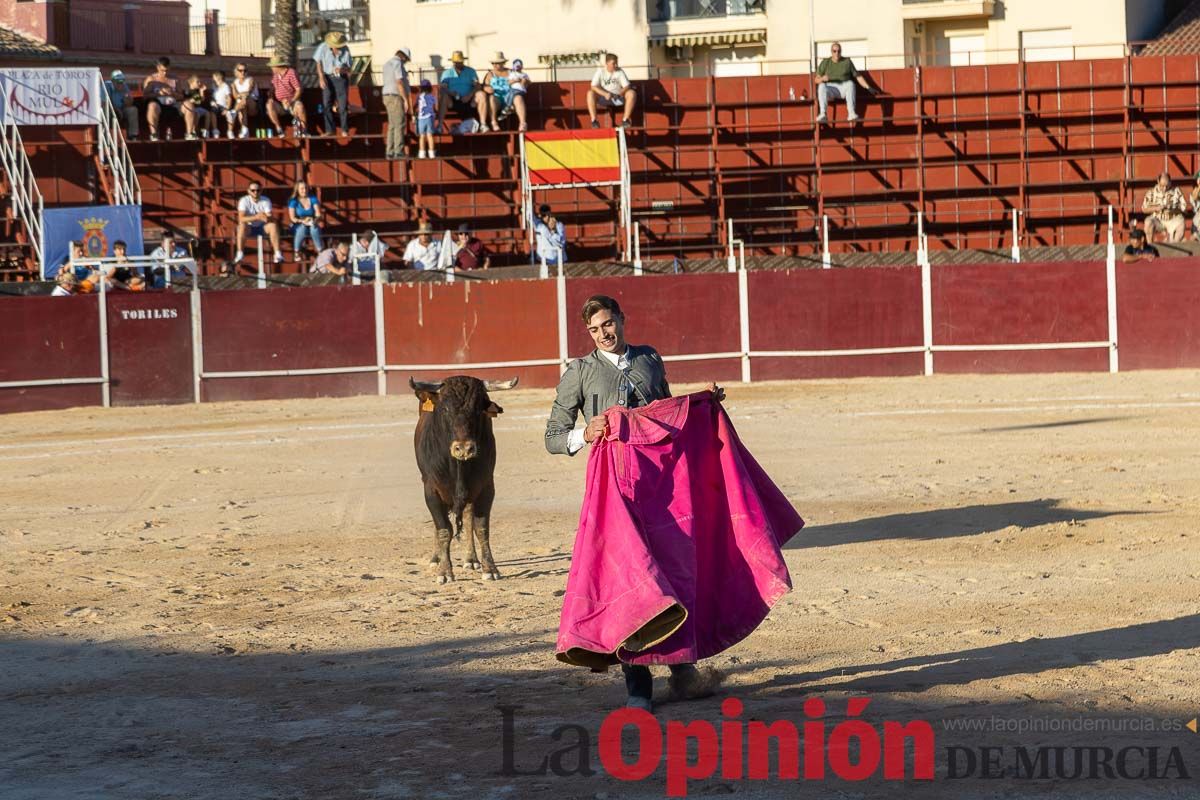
x=578, y=159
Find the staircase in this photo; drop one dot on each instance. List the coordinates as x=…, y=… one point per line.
x=21, y=230
x=118, y=177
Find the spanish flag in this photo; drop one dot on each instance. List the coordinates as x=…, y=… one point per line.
x=573, y=157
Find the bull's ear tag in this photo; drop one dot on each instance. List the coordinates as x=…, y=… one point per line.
x=427, y=404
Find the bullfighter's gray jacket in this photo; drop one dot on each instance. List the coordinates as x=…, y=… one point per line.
x=590, y=386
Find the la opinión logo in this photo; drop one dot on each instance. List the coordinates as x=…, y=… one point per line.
x=735, y=749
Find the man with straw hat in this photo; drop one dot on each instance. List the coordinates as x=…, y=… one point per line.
x=333, y=73
x=461, y=91
x=424, y=251
x=285, y=85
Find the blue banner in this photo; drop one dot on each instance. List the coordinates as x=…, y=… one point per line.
x=96, y=226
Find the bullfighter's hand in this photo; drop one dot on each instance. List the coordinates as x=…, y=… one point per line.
x=595, y=429
x=718, y=392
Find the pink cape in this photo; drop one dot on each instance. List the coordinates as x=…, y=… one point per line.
x=678, y=553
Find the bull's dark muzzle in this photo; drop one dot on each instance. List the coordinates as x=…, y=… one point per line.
x=463, y=449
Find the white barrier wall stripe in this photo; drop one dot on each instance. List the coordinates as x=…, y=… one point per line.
x=983, y=348
x=50, y=382
x=744, y=319
x=927, y=313
x=285, y=373
x=866, y=351
x=197, y=345
x=380, y=339
x=560, y=288
x=701, y=356
x=106, y=386
x=1110, y=269
x=537, y=362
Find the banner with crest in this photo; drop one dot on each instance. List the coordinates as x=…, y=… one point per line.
x=97, y=227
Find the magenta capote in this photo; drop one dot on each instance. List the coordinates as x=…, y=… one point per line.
x=742, y=750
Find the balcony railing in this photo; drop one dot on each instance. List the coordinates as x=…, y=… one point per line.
x=667, y=10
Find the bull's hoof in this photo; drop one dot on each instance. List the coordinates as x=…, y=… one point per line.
x=473, y=565
x=442, y=579
x=491, y=575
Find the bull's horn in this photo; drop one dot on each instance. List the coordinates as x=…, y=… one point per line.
x=424, y=386
x=497, y=386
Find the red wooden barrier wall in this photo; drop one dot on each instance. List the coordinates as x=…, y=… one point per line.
x=471, y=322
x=150, y=348
x=1020, y=304
x=1158, y=314
x=487, y=322
x=284, y=329
x=677, y=314
x=835, y=310
x=45, y=338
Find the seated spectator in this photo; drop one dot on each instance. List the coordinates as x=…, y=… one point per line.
x=396, y=92
x=469, y=252
x=518, y=79
x=245, y=99
x=120, y=274
x=425, y=114
x=285, y=86
x=461, y=92
x=196, y=111
x=333, y=74
x=837, y=77
x=222, y=102
x=1138, y=248
x=551, y=237
x=304, y=212
x=334, y=261
x=169, y=248
x=67, y=283
x=611, y=89
x=424, y=251
x=367, y=251
x=122, y=102
x=162, y=97
x=1165, y=205
x=502, y=100
x=254, y=218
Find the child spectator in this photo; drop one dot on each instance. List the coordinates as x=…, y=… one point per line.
x=426, y=113
x=222, y=101
x=195, y=111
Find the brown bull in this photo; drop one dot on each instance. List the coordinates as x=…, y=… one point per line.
x=456, y=454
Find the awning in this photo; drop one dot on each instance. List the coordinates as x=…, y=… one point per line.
x=727, y=37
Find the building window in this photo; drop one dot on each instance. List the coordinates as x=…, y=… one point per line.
x=1048, y=45
x=667, y=10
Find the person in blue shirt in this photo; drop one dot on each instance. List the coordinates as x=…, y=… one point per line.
x=122, y=102
x=333, y=73
x=551, y=237
x=460, y=91
x=304, y=211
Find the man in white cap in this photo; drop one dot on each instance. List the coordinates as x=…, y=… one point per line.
x=333, y=73
x=396, y=92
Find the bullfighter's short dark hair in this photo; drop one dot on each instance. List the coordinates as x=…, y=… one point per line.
x=599, y=302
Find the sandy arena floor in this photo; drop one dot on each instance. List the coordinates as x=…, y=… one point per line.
x=232, y=601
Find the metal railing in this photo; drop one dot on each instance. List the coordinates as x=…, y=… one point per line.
x=237, y=37
x=114, y=154
x=27, y=203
